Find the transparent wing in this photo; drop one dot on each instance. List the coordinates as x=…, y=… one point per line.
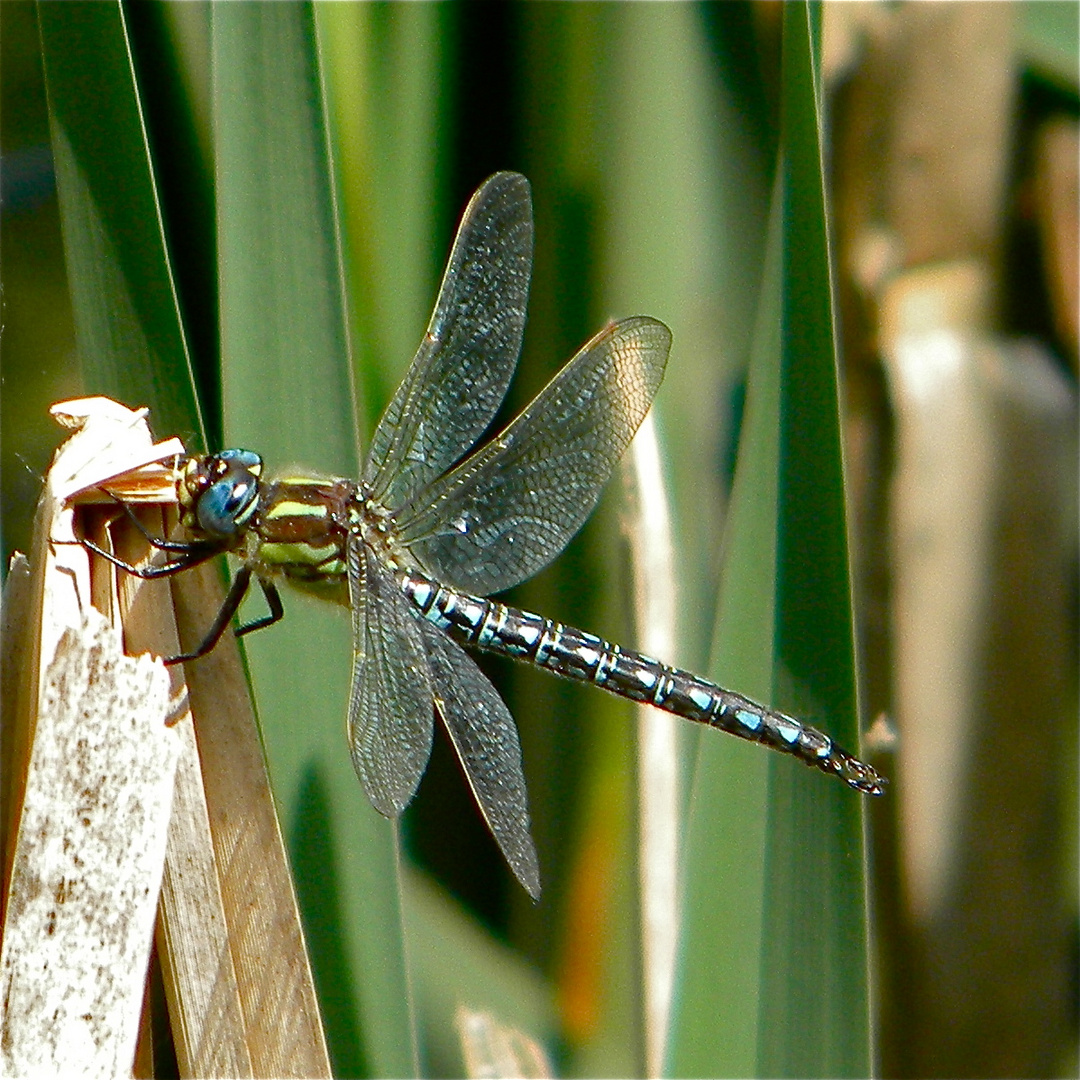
x=460, y=373
x=390, y=703
x=512, y=506
x=486, y=740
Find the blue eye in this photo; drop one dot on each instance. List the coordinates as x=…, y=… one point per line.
x=225, y=506
x=244, y=459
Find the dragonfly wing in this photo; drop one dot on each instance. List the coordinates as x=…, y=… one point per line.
x=512, y=506
x=460, y=373
x=390, y=703
x=486, y=740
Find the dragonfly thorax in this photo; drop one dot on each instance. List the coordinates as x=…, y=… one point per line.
x=375, y=523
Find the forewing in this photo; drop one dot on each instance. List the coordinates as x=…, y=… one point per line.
x=460, y=373
x=511, y=507
x=486, y=741
x=390, y=703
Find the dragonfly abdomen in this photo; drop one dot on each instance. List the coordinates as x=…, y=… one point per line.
x=575, y=654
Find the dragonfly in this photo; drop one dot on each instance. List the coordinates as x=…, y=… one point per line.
x=437, y=523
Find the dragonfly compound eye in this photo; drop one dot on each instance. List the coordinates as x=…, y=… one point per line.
x=225, y=506
x=245, y=459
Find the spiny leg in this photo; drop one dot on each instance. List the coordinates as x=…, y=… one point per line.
x=192, y=552
x=277, y=609
x=228, y=609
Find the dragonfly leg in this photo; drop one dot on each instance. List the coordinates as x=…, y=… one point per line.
x=273, y=600
x=156, y=542
x=193, y=557
x=224, y=616
x=190, y=552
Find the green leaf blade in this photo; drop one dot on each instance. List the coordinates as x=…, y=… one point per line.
x=815, y=969
x=287, y=391
x=776, y=984
x=130, y=340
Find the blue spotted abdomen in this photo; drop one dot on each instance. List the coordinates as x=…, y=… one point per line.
x=487, y=624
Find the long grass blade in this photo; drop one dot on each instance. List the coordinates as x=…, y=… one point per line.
x=287, y=392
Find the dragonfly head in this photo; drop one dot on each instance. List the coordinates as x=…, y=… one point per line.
x=219, y=492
